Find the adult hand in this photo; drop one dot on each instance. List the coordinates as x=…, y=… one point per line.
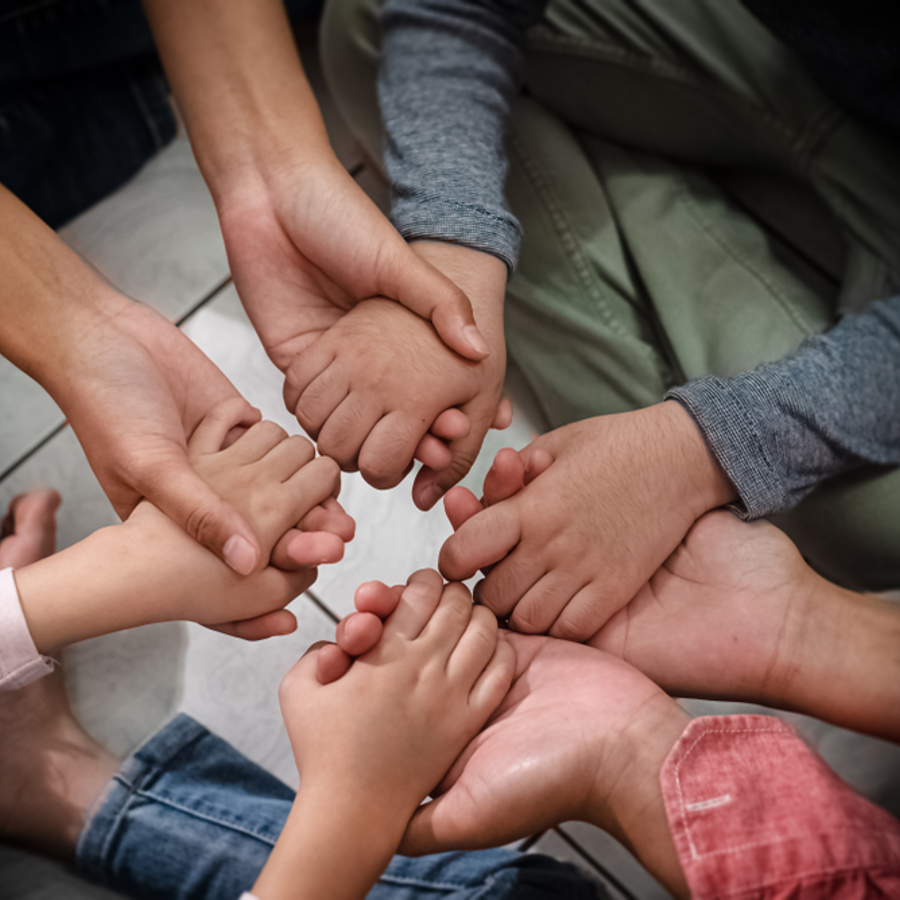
x=306, y=244
x=615, y=496
x=139, y=390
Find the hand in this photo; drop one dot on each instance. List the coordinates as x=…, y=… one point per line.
x=573, y=547
x=373, y=385
x=271, y=479
x=140, y=389
x=275, y=481
x=387, y=730
x=306, y=244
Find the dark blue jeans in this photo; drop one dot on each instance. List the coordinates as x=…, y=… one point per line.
x=83, y=101
x=190, y=818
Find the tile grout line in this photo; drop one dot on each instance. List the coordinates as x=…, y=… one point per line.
x=595, y=864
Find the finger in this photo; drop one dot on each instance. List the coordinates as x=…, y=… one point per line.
x=461, y=504
x=377, y=598
x=475, y=648
x=256, y=442
x=387, y=451
x=423, y=289
x=299, y=549
x=213, y=429
x=504, y=415
x=447, y=625
x=537, y=460
x=320, y=399
x=584, y=615
x=306, y=489
x=331, y=663
x=329, y=516
x=433, y=453
x=300, y=678
x=347, y=428
x=484, y=539
x=175, y=488
x=272, y=624
x=358, y=633
x=418, y=601
x=451, y=424
x=304, y=369
x=495, y=680
x=509, y=581
x=505, y=477
x=536, y=612
x=289, y=456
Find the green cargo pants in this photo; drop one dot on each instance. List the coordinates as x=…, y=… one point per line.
x=692, y=204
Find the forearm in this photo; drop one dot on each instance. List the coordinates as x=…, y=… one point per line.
x=782, y=429
x=237, y=77
x=332, y=846
x=102, y=584
x=851, y=643
x=450, y=71
x=52, y=303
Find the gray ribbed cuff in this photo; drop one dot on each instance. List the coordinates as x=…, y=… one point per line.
x=732, y=436
x=444, y=220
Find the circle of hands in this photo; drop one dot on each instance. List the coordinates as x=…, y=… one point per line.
x=608, y=616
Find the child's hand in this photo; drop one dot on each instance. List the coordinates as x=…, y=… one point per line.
x=373, y=386
x=387, y=731
x=275, y=482
x=572, y=548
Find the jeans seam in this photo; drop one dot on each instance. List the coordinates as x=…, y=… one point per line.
x=434, y=885
x=569, y=244
x=124, y=807
x=693, y=210
x=155, y=798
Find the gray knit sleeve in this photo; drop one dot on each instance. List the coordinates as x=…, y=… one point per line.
x=832, y=406
x=449, y=72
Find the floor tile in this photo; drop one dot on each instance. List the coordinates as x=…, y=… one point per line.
x=157, y=239
x=552, y=843
x=231, y=686
x=24, y=876
x=615, y=860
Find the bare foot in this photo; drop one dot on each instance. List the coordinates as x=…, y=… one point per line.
x=53, y=771
x=28, y=531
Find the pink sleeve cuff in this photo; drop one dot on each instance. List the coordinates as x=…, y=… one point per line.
x=755, y=813
x=20, y=662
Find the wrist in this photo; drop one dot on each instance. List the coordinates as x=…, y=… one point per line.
x=325, y=828
x=77, y=593
x=707, y=485
x=627, y=799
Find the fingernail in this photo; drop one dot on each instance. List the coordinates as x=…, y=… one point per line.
x=475, y=340
x=239, y=554
x=430, y=495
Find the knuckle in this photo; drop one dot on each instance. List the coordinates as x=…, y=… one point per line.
x=202, y=523
x=573, y=625
x=527, y=619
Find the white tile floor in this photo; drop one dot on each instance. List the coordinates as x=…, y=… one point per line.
x=158, y=240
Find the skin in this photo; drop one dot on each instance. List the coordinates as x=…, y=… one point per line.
x=573, y=546
x=272, y=478
x=304, y=242
x=371, y=745
x=735, y=613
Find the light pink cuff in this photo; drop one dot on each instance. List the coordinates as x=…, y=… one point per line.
x=756, y=814
x=20, y=662
x=246, y=896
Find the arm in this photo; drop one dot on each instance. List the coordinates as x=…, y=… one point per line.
x=830, y=407
x=372, y=744
x=450, y=70
x=303, y=240
x=130, y=384
x=274, y=480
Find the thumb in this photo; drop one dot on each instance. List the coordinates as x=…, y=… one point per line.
x=421, y=288
x=176, y=489
x=432, y=830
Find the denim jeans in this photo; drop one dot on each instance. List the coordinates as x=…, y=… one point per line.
x=83, y=100
x=189, y=817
